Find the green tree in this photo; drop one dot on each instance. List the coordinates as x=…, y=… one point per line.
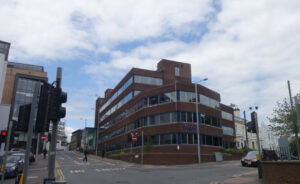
x=284, y=119
x=149, y=144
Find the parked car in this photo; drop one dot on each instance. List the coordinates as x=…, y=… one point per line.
x=250, y=159
x=14, y=165
x=18, y=149
x=21, y=150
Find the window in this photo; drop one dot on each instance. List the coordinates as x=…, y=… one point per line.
x=177, y=71
x=173, y=117
x=207, y=120
x=189, y=117
x=187, y=96
x=174, y=138
x=164, y=118
x=153, y=100
x=163, y=98
x=210, y=102
x=216, y=141
x=183, y=116
x=155, y=139
x=184, y=138
x=194, y=117
x=148, y=80
x=209, y=140
x=227, y=116
x=195, y=139
x=190, y=138
x=172, y=96
x=153, y=119
x=228, y=130
x=165, y=139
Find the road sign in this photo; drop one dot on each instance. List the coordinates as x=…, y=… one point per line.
x=134, y=138
x=44, y=137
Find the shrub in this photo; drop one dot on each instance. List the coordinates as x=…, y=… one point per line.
x=119, y=154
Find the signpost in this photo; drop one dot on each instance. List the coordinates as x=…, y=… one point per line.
x=134, y=138
x=44, y=137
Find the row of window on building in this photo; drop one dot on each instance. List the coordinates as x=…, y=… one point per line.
x=155, y=100
x=132, y=79
x=166, y=118
x=170, y=138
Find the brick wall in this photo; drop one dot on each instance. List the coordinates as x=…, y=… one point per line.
x=281, y=172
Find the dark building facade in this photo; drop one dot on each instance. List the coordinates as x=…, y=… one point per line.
x=161, y=105
x=76, y=139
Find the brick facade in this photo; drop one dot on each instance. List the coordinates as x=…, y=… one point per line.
x=172, y=81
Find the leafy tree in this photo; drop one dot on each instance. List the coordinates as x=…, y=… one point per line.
x=284, y=119
x=293, y=145
x=149, y=144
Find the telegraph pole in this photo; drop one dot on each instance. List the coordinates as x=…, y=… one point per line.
x=290, y=94
x=51, y=164
x=247, y=143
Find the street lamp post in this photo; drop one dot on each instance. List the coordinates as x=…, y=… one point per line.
x=197, y=119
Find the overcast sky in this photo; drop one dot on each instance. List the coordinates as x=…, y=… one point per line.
x=247, y=49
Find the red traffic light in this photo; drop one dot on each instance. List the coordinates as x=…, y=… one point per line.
x=4, y=133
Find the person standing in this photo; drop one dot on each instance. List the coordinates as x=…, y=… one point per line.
x=45, y=152
x=85, y=155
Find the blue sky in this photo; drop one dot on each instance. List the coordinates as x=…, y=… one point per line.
x=247, y=49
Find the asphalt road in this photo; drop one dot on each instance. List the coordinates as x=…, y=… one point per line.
x=75, y=171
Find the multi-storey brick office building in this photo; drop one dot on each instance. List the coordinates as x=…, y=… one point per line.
x=162, y=104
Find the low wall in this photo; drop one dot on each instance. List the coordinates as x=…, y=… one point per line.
x=235, y=156
x=173, y=158
x=281, y=172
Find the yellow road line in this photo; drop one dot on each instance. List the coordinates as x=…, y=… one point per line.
x=59, y=171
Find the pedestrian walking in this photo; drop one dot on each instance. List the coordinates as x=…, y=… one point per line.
x=103, y=153
x=85, y=155
x=45, y=152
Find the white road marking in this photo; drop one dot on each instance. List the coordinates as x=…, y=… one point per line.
x=112, y=169
x=32, y=177
x=77, y=171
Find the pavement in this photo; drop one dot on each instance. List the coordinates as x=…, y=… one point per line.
x=71, y=168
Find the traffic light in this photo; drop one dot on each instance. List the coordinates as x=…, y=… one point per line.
x=57, y=97
x=23, y=118
x=3, y=135
x=49, y=137
x=42, y=121
x=129, y=137
x=251, y=126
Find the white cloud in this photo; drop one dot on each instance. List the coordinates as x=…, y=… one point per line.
x=248, y=53
x=69, y=131
x=56, y=29
x=249, y=50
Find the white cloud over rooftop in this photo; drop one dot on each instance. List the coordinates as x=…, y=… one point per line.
x=247, y=49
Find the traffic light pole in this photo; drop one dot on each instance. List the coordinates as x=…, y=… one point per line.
x=34, y=106
x=6, y=151
x=52, y=152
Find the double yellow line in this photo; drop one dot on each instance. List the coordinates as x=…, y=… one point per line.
x=61, y=176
